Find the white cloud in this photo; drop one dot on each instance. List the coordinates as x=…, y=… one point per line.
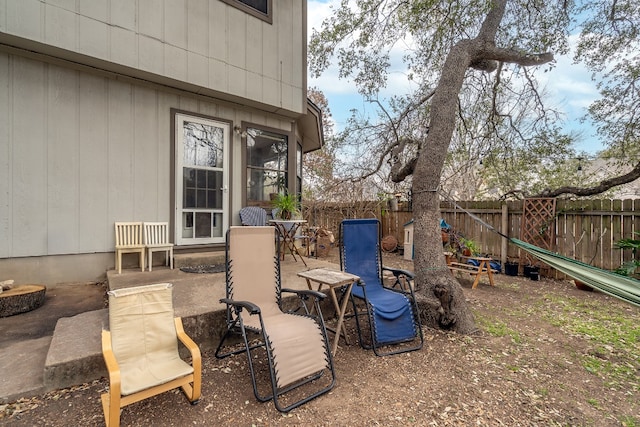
x=571, y=84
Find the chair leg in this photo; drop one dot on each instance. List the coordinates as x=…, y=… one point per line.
x=141, y=260
x=119, y=262
x=150, y=259
x=111, y=409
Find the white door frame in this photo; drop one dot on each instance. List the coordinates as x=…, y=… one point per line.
x=208, y=182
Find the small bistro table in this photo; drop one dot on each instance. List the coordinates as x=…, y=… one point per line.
x=287, y=230
x=333, y=279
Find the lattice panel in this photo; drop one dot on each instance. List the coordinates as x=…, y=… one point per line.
x=538, y=225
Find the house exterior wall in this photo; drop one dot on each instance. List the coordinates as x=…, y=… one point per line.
x=87, y=91
x=205, y=46
x=79, y=151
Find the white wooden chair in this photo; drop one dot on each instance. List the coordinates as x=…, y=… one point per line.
x=156, y=239
x=129, y=240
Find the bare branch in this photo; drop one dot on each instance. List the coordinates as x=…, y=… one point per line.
x=591, y=191
x=490, y=52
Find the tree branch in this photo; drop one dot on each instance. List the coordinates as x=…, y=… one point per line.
x=591, y=191
x=491, y=52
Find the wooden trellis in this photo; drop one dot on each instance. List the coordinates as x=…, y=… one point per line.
x=538, y=226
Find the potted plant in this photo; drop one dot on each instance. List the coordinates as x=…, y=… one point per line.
x=286, y=205
x=469, y=247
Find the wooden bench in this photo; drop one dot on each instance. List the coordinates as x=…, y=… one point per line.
x=482, y=268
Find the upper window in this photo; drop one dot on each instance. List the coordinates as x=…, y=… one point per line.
x=261, y=9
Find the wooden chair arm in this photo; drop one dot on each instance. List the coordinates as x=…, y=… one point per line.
x=111, y=363
x=189, y=343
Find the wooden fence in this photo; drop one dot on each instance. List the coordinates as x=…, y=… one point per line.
x=585, y=230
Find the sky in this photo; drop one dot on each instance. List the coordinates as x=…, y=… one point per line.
x=568, y=85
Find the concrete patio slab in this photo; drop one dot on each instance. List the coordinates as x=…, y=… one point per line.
x=72, y=355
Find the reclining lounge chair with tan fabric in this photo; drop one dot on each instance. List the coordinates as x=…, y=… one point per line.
x=140, y=349
x=295, y=344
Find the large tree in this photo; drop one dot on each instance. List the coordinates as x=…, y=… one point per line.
x=451, y=45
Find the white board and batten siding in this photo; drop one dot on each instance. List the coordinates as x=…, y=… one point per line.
x=80, y=158
x=80, y=149
x=205, y=46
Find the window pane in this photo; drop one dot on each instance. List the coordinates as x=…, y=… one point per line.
x=266, y=150
x=190, y=198
x=267, y=154
x=201, y=198
x=187, y=225
x=201, y=178
x=262, y=183
x=216, y=227
x=203, y=224
x=189, y=179
x=259, y=5
x=202, y=145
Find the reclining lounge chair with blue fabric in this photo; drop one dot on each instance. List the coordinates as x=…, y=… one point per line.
x=391, y=311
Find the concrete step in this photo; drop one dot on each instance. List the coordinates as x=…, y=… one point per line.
x=198, y=258
x=75, y=353
x=22, y=369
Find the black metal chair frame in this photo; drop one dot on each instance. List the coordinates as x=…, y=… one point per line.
x=402, y=285
x=236, y=326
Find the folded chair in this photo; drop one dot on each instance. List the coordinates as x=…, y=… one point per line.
x=140, y=349
x=253, y=215
x=294, y=343
x=391, y=311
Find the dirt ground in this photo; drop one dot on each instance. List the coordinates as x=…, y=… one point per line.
x=60, y=301
x=547, y=354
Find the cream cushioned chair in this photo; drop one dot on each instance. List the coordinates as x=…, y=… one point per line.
x=141, y=349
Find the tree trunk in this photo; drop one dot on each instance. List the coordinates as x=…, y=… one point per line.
x=446, y=304
x=21, y=299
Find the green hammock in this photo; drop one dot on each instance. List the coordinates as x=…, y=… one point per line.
x=616, y=285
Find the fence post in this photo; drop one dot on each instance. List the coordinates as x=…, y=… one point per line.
x=504, y=247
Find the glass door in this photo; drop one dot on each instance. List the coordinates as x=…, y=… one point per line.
x=202, y=168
